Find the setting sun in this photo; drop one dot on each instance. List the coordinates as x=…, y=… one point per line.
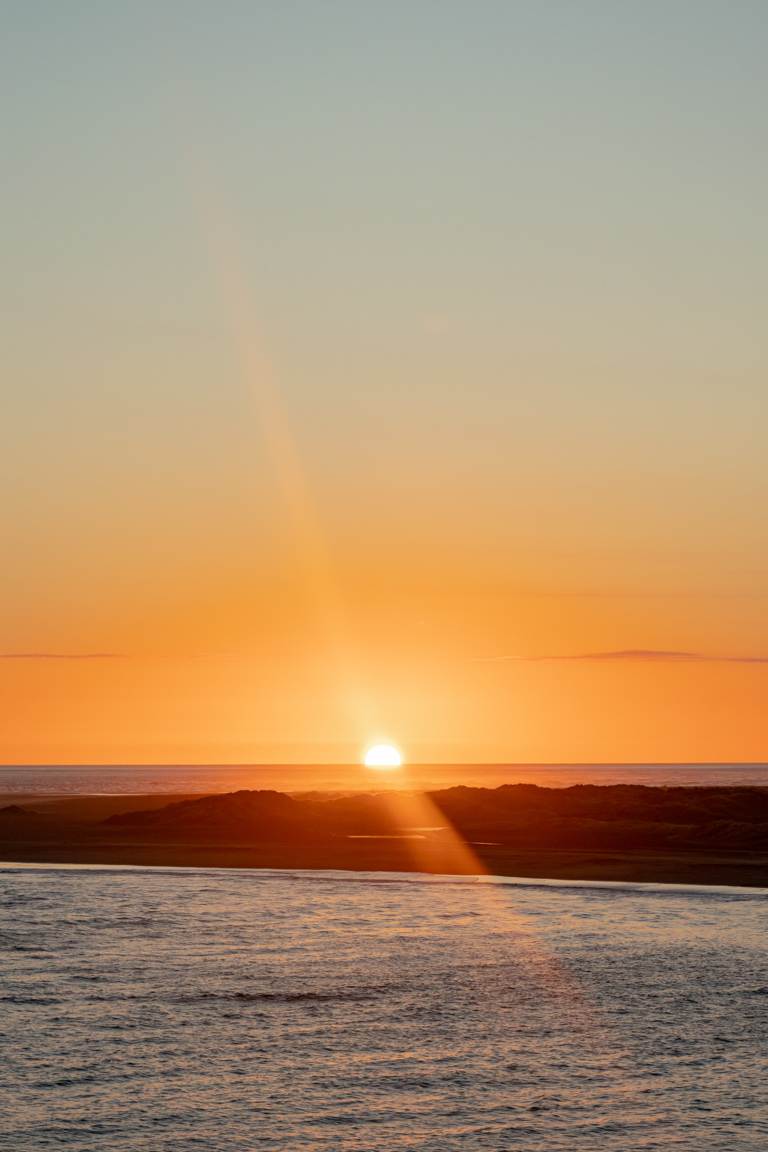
x=383, y=756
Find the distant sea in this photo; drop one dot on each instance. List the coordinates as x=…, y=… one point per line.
x=116, y=780
x=189, y=1009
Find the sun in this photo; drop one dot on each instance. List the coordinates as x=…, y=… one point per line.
x=384, y=756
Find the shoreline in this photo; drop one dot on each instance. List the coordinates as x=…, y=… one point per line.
x=636, y=867
x=427, y=878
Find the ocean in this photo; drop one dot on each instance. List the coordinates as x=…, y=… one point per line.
x=151, y=1010
x=118, y=779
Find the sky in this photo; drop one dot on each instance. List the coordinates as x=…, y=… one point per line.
x=383, y=371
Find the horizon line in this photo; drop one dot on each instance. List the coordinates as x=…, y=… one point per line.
x=406, y=765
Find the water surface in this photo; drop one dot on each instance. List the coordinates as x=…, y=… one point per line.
x=145, y=1010
x=78, y=779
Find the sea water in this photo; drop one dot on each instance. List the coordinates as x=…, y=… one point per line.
x=74, y=779
x=149, y=1010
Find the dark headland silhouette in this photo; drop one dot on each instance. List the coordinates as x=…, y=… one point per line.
x=715, y=835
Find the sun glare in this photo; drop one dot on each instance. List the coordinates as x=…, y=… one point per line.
x=383, y=756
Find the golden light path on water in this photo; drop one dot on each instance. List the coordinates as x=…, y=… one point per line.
x=445, y=851
x=435, y=846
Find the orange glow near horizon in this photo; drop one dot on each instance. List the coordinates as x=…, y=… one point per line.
x=290, y=637
x=293, y=648
x=281, y=705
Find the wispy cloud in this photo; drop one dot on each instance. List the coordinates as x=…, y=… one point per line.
x=62, y=656
x=656, y=655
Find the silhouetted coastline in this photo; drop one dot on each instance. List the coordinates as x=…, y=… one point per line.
x=622, y=832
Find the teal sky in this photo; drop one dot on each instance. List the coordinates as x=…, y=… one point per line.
x=499, y=237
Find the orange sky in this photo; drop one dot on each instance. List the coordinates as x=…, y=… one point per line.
x=362, y=393
x=425, y=675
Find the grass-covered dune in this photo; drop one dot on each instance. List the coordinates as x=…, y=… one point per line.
x=707, y=835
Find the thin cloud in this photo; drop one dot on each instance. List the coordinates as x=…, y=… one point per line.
x=651, y=655
x=62, y=656
x=671, y=657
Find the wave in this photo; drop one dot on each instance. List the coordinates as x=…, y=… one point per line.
x=14, y=998
x=318, y=996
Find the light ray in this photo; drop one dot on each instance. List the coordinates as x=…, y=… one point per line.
x=318, y=575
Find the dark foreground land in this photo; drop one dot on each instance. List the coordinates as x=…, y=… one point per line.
x=586, y=832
